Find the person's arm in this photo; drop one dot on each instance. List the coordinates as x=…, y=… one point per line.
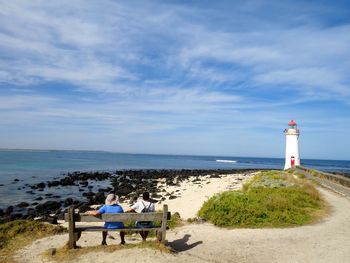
x=93, y=213
x=97, y=212
x=132, y=209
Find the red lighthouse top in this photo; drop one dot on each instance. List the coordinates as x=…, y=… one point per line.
x=292, y=123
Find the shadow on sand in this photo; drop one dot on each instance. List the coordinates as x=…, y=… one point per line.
x=181, y=245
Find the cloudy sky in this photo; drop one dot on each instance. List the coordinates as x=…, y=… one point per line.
x=178, y=77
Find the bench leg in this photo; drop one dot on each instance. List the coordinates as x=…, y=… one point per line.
x=159, y=236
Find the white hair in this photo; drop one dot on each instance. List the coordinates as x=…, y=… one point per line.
x=112, y=199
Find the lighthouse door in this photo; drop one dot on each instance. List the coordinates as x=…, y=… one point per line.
x=292, y=162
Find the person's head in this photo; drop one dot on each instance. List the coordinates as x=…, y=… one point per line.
x=145, y=196
x=112, y=199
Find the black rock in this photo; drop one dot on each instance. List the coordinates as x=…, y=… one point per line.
x=38, y=198
x=22, y=204
x=2, y=212
x=68, y=201
x=41, y=185
x=16, y=180
x=15, y=216
x=53, y=183
x=89, y=194
x=52, y=220
x=47, y=207
x=9, y=210
x=84, y=183
x=83, y=208
x=172, y=197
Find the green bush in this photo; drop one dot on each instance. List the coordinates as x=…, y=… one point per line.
x=292, y=202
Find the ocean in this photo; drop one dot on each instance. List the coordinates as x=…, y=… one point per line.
x=33, y=166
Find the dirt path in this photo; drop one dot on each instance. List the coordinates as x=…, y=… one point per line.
x=327, y=241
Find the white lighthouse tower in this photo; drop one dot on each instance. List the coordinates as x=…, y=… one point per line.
x=292, y=145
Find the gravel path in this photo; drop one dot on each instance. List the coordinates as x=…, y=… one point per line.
x=340, y=189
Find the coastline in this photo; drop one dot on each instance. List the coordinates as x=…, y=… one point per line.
x=48, y=201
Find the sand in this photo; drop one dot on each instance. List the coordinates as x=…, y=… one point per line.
x=326, y=241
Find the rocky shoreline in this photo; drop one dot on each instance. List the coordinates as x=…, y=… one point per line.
x=127, y=184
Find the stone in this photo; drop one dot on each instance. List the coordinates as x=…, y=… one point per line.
x=22, y=204
x=52, y=251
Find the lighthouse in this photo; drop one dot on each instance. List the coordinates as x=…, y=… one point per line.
x=292, y=145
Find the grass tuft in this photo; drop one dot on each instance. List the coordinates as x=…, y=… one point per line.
x=17, y=234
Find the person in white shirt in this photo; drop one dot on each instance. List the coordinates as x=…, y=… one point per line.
x=143, y=206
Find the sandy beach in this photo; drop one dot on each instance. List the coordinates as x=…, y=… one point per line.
x=326, y=241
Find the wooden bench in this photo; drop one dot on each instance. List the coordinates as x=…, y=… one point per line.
x=75, y=231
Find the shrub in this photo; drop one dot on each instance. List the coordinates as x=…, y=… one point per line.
x=270, y=199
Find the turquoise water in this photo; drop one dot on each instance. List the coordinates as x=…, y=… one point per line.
x=37, y=166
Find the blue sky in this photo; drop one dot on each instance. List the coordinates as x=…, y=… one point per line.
x=178, y=77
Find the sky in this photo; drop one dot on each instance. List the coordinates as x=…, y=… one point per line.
x=176, y=77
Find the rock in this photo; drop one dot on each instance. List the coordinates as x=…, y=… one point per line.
x=2, y=212
x=53, y=183
x=52, y=251
x=52, y=220
x=15, y=216
x=83, y=208
x=68, y=201
x=41, y=185
x=38, y=198
x=172, y=197
x=16, y=180
x=84, y=183
x=9, y=210
x=89, y=194
x=47, y=207
x=22, y=204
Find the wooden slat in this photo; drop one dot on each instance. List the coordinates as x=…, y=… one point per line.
x=122, y=217
x=97, y=228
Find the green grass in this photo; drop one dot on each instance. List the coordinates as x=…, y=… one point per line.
x=19, y=233
x=270, y=199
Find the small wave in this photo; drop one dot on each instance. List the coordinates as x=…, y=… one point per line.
x=226, y=161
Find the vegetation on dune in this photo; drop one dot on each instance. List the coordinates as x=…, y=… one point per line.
x=270, y=199
x=17, y=234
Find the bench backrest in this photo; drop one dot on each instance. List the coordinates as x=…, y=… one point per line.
x=122, y=217
x=72, y=218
